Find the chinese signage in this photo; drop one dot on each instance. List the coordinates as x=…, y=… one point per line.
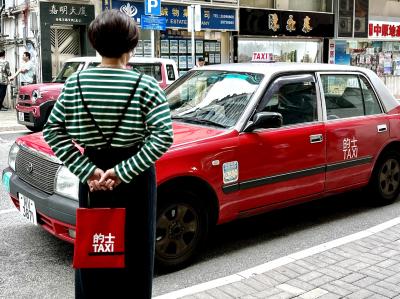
x=66, y=13
x=384, y=30
x=177, y=15
x=288, y=23
x=350, y=148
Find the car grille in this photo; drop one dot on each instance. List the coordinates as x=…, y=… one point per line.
x=25, y=104
x=24, y=97
x=36, y=171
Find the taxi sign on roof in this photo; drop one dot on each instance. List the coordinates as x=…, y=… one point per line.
x=262, y=57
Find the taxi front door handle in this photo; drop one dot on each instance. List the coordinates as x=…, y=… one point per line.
x=381, y=128
x=316, y=138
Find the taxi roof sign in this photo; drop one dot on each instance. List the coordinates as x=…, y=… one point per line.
x=262, y=57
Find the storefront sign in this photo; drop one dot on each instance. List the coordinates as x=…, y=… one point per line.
x=262, y=57
x=153, y=23
x=331, y=59
x=285, y=23
x=384, y=30
x=66, y=13
x=177, y=15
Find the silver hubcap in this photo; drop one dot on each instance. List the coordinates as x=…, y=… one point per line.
x=177, y=228
x=389, y=177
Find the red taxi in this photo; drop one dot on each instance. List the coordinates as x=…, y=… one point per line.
x=248, y=138
x=35, y=101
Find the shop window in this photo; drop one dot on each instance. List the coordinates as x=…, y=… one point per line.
x=281, y=50
x=344, y=97
x=297, y=102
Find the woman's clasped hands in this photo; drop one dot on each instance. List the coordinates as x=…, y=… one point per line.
x=101, y=180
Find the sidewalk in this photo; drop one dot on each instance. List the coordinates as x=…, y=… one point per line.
x=362, y=265
x=8, y=121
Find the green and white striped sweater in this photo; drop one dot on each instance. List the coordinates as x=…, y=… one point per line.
x=106, y=91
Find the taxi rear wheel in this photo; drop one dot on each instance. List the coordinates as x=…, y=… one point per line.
x=385, y=182
x=181, y=229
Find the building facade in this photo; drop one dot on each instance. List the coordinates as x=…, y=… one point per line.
x=369, y=36
x=219, y=21
x=51, y=31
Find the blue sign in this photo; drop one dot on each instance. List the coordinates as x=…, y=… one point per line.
x=176, y=15
x=341, y=57
x=152, y=7
x=153, y=23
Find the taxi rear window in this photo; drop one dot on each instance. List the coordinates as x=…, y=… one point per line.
x=151, y=69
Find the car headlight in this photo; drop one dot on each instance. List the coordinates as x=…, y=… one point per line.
x=67, y=184
x=12, y=155
x=36, y=95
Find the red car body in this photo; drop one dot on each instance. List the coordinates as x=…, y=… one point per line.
x=257, y=163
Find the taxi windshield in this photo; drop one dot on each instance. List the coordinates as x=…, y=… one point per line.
x=68, y=69
x=214, y=98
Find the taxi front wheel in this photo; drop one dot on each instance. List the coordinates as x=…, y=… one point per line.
x=182, y=227
x=385, y=180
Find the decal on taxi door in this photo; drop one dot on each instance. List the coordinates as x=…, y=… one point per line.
x=230, y=172
x=350, y=148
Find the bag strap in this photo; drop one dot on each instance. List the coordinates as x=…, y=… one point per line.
x=108, y=140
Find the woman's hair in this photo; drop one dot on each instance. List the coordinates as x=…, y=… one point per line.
x=113, y=33
x=2, y=53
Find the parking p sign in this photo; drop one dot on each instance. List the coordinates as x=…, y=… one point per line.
x=152, y=7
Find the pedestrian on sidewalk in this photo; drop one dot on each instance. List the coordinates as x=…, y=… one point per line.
x=200, y=62
x=120, y=149
x=26, y=70
x=4, y=74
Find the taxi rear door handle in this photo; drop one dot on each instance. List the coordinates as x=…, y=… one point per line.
x=381, y=128
x=316, y=138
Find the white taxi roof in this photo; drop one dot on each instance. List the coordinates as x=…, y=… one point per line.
x=133, y=59
x=272, y=69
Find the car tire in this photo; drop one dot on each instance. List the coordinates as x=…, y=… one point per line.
x=385, y=181
x=181, y=229
x=34, y=128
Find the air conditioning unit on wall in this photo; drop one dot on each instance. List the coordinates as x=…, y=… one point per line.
x=345, y=24
x=359, y=25
x=345, y=5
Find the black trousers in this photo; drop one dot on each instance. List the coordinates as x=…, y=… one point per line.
x=139, y=199
x=3, y=91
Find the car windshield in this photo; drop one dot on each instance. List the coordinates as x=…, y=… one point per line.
x=68, y=69
x=214, y=98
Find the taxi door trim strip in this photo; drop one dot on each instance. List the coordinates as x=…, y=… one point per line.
x=294, y=174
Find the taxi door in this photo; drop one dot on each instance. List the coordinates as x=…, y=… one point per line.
x=356, y=128
x=285, y=163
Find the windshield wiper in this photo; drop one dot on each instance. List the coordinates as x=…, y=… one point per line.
x=199, y=121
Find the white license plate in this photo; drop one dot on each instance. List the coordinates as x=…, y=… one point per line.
x=21, y=116
x=27, y=208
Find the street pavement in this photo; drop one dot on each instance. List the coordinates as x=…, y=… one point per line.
x=8, y=121
x=363, y=265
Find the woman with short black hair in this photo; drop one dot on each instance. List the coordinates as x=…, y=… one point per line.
x=122, y=120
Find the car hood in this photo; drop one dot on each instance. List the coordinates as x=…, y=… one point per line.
x=184, y=135
x=42, y=87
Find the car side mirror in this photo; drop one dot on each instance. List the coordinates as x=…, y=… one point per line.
x=265, y=120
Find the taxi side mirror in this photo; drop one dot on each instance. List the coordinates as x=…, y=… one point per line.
x=265, y=120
